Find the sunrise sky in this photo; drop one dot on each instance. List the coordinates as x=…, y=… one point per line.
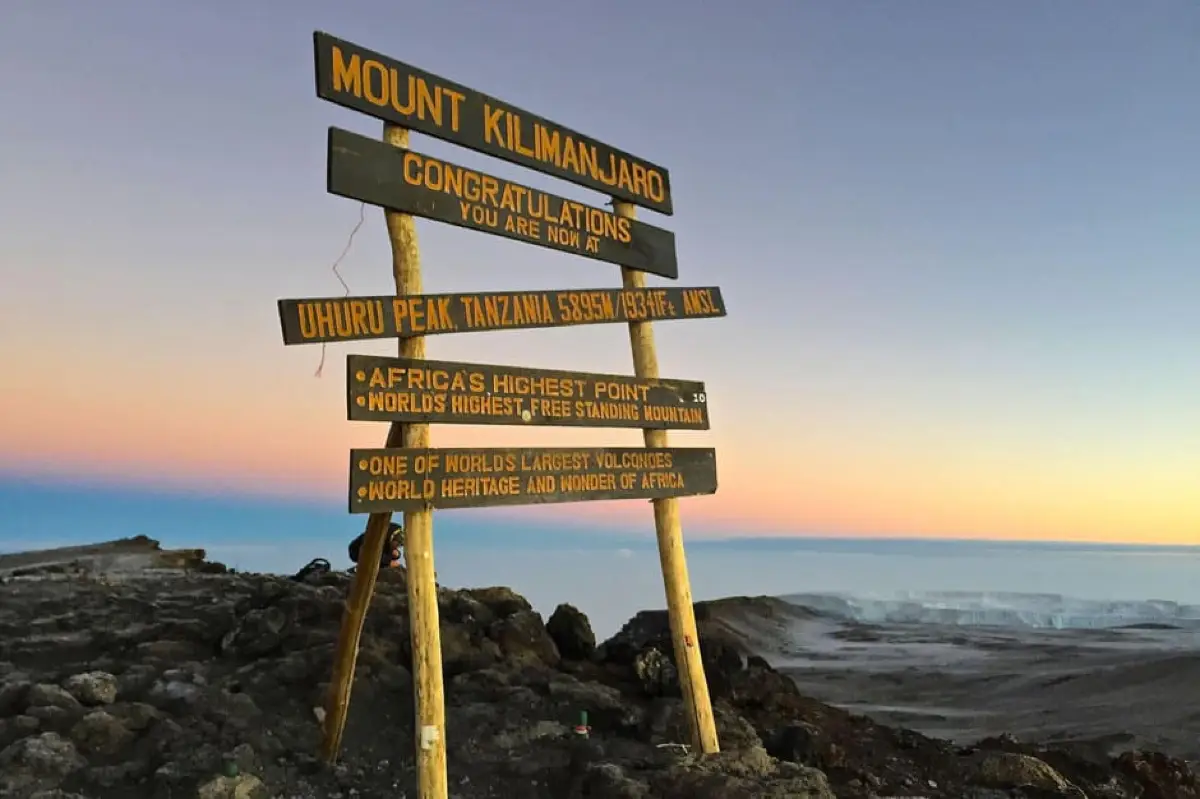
x=959, y=246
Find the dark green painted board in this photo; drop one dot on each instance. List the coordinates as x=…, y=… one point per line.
x=312, y=321
x=374, y=84
x=384, y=480
x=380, y=389
x=375, y=172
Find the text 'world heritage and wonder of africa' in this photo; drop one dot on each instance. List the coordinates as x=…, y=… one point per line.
x=406, y=390
x=387, y=89
x=375, y=172
x=408, y=479
x=311, y=321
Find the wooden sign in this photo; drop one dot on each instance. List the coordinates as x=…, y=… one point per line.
x=384, y=480
x=375, y=172
x=447, y=392
x=387, y=89
x=311, y=321
x=412, y=393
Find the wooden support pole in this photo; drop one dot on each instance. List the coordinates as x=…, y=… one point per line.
x=667, y=527
x=362, y=587
x=430, y=715
x=423, y=621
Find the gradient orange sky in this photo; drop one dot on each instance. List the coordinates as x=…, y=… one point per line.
x=971, y=314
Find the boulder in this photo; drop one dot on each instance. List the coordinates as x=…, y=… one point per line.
x=243, y=786
x=40, y=761
x=100, y=733
x=523, y=639
x=48, y=695
x=572, y=632
x=92, y=687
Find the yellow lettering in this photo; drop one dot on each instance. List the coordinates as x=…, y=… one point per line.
x=624, y=230
x=589, y=164
x=440, y=318
x=406, y=402
x=491, y=125
x=308, y=322
x=409, y=92
x=412, y=169
x=398, y=490
x=346, y=77
x=570, y=158
x=429, y=101
x=341, y=318
x=455, y=99
x=540, y=484
x=385, y=85
x=656, y=185
x=547, y=145
x=482, y=199
x=660, y=480
x=368, y=85
x=699, y=302
x=385, y=465
x=517, y=144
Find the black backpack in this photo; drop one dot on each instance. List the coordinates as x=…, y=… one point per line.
x=391, y=549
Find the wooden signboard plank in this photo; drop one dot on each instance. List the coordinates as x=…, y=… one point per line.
x=321, y=319
x=383, y=480
x=447, y=392
x=377, y=173
x=374, y=84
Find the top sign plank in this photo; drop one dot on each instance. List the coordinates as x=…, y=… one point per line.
x=366, y=81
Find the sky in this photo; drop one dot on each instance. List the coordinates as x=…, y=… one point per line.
x=958, y=245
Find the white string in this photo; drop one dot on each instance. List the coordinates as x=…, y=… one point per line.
x=362, y=215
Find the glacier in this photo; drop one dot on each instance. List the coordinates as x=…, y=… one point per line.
x=999, y=609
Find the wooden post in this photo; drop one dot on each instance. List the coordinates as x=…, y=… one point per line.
x=424, y=631
x=430, y=715
x=667, y=527
x=362, y=587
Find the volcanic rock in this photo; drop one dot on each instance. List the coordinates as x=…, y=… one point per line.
x=571, y=632
x=192, y=681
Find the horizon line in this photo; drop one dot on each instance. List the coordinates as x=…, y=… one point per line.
x=782, y=539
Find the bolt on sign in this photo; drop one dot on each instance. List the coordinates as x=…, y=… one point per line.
x=405, y=479
x=314, y=321
x=411, y=390
x=375, y=172
x=387, y=89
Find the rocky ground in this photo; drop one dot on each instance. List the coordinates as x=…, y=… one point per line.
x=161, y=676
